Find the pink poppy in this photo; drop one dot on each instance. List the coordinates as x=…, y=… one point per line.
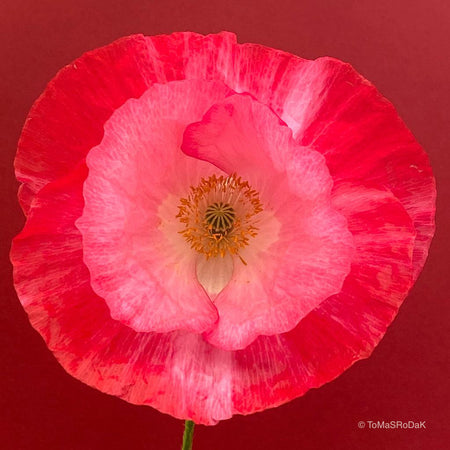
x=215, y=228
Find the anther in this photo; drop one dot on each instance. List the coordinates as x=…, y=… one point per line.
x=218, y=215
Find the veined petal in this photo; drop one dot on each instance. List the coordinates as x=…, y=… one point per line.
x=139, y=262
x=178, y=372
x=364, y=139
x=346, y=327
x=303, y=249
x=336, y=111
x=67, y=120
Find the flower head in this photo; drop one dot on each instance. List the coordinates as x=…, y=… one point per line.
x=215, y=228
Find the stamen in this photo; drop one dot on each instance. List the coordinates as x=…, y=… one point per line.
x=219, y=215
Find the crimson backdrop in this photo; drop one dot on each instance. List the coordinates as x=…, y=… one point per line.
x=403, y=46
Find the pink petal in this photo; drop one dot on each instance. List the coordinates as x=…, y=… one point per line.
x=374, y=146
x=333, y=109
x=307, y=95
x=177, y=373
x=191, y=56
x=180, y=374
x=138, y=261
x=67, y=120
x=303, y=250
x=347, y=326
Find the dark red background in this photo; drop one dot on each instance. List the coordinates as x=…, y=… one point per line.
x=402, y=46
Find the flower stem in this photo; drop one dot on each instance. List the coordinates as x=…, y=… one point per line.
x=188, y=435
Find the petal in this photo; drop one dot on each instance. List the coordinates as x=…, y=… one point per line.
x=363, y=138
x=346, y=327
x=303, y=250
x=336, y=111
x=307, y=95
x=177, y=373
x=214, y=273
x=190, y=56
x=67, y=120
x=138, y=261
x=244, y=136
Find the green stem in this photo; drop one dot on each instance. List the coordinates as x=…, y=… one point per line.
x=188, y=435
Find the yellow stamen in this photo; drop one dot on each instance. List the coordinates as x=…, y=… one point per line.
x=218, y=215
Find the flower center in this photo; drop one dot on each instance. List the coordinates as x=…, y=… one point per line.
x=219, y=215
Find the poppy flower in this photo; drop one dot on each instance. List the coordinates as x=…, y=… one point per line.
x=215, y=228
